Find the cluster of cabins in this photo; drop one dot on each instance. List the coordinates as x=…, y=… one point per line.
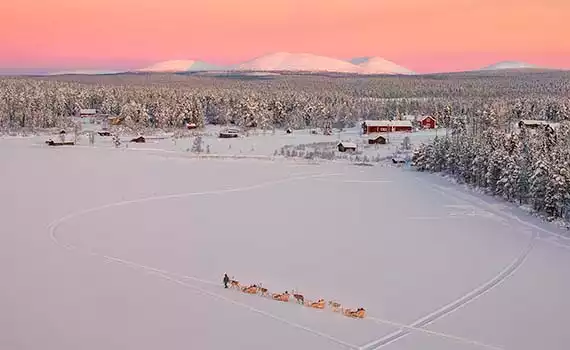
x=406, y=125
x=376, y=130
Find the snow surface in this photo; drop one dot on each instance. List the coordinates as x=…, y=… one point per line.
x=106, y=248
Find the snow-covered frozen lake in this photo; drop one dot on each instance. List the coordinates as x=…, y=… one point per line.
x=114, y=249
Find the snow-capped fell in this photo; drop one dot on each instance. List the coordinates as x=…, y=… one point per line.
x=378, y=65
x=305, y=62
x=174, y=66
x=275, y=62
x=302, y=62
x=510, y=65
x=87, y=72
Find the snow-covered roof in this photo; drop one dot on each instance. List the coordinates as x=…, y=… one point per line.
x=388, y=123
x=346, y=144
x=425, y=117
x=377, y=122
x=401, y=123
x=533, y=122
x=540, y=122
x=87, y=111
x=554, y=125
x=375, y=135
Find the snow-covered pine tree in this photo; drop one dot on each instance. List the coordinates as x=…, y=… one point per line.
x=495, y=164
x=539, y=181
x=557, y=190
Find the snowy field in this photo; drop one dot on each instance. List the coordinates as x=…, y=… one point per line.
x=254, y=144
x=106, y=248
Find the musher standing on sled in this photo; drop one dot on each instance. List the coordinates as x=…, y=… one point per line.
x=226, y=280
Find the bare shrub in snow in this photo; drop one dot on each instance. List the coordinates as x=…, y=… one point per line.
x=197, y=145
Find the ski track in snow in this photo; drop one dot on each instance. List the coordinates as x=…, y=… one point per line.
x=180, y=279
x=484, y=288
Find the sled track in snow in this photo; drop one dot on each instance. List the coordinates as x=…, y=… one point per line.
x=455, y=305
x=180, y=279
x=166, y=275
x=479, y=291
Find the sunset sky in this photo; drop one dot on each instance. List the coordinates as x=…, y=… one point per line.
x=422, y=35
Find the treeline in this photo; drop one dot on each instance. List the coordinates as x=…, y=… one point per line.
x=297, y=101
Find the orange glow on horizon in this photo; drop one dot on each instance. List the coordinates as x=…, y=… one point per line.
x=423, y=35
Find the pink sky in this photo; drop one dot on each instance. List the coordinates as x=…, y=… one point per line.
x=423, y=35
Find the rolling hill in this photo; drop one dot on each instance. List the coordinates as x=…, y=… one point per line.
x=305, y=62
x=510, y=65
x=379, y=65
x=176, y=66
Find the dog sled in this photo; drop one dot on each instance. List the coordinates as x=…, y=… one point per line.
x=258, y=289
x=359, y=313
x=319, y=304
x=250, y=290
x=284, y=297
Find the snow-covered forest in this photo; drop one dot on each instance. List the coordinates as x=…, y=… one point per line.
x=530, y=167
x=168, y=100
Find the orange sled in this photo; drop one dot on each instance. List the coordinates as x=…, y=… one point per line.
x=250, y=290
x=360, y=313
x=318, y=304
x=281, y=297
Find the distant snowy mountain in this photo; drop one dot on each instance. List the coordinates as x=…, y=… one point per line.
x=305, y=62
x=275, y=62
x=284, y=61
x=177, y=66
x=87, y=72
x=510, y=65
x=378, y=65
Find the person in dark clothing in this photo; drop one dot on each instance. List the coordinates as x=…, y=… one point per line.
x=226, y=280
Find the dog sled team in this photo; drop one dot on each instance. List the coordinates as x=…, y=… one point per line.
x=299, y=298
